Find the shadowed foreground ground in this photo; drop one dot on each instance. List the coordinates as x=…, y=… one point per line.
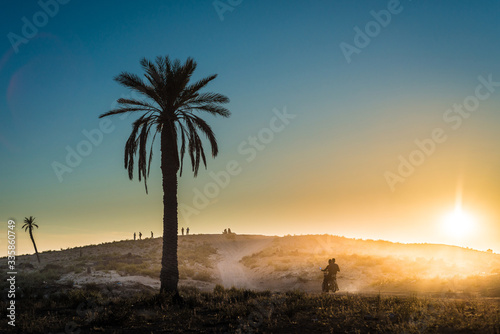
x=104, y=309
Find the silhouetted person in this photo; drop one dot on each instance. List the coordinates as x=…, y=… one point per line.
x=229, y=230
x=187, y=231
x=225, y=231
x=151, y=234
x=326, y=278
x=330, y=278
x=140, y=236
x=134, y=235
x=335, y=268
x=182, y=230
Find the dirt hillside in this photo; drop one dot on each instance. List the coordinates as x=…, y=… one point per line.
x=275, y=263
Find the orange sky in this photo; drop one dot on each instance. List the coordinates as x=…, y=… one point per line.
x=374, y=146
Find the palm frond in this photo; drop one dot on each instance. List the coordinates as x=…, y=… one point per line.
x=206, y=129
x=121, y=110
x=208, y=98
x=194, y=88
x=146, y=105
x=213, y=109
x=153, y=75
x=132, y=81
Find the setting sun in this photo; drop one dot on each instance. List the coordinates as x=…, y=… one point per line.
x=458, y=223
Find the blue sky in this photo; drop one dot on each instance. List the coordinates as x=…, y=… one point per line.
x=352, y=120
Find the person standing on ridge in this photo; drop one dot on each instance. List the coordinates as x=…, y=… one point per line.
x=134, y=235
x=187, y=231
x=182, y=230
x=140, y=236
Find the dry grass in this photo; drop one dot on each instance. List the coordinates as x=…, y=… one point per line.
x=105, y=309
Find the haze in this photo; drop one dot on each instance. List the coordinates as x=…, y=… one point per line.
x=377, y=143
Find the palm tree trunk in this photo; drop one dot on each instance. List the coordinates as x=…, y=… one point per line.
x=34, y=245
x=169, y=275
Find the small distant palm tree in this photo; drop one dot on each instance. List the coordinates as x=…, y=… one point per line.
x=29, y=223
x=169, y=109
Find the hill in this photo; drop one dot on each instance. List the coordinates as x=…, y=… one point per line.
x=275, y=263
x=251, y=283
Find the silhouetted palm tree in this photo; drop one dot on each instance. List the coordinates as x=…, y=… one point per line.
x=168, y=109
x=29, y=223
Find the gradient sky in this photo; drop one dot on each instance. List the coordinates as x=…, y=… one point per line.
x=324, y=172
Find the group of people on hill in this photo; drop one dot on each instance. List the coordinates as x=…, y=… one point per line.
x=182, y=231
x=227, y=231
x=140, y=235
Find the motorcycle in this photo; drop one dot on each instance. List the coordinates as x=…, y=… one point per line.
x=329, y=284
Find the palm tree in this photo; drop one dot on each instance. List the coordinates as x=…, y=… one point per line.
x=29, y=223
x=169, y=108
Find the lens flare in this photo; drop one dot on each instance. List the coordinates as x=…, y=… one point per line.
x=458, y=223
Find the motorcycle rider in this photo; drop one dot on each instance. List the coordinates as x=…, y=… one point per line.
x=330, y=278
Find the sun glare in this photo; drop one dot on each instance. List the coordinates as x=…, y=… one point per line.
x=458, y=223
